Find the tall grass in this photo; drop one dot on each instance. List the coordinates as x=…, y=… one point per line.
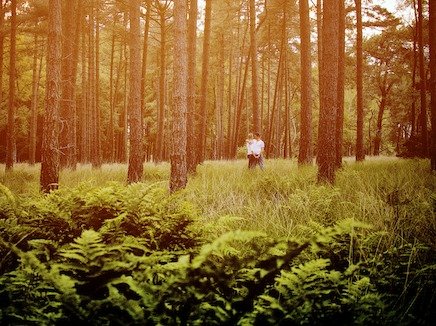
x=396, y=197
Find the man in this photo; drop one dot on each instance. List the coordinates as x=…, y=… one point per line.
x=257, y=148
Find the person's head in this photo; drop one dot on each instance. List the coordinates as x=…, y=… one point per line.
x=250, y=136
x=257, y=135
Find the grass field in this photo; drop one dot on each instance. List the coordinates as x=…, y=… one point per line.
x=386, y=192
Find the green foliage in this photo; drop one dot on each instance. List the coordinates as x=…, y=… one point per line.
x=268, y=248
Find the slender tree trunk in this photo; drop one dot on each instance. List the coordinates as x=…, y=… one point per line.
x=2, y=39
x=253, y=52
x=145, y=54
x=204, y=83
x=422, y=82
x=136, y=156
x=378, y=131
x=112, y=98
x=432, y=85
x=98, y=151
x=191, y=122
x=326, y=159
x=341, y=85
x=220, y=97
x=319, y=29
x=124, y=114
x=11, y=150
x=144, y=72
x=85, y=153
x=34, y=103
x=305, y=151
x=415, y=66
x=162, y=67
x=50, y=145
x=67, y=135
x=178, y=178
x=238, y=113
x=270, y=136
x=360, y=150
x=286, y=142
x=230, y=105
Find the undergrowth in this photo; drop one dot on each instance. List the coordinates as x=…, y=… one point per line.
x=236, y=247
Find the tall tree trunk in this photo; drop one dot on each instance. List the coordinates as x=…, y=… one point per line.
x=270, y=135
x=287, y=150
x=253, y=52
x=11, y=150
x=385, y=88
x=432, y=85
x=85, y=149
x=415, y=66
x=319, y=29
x=34, y=103
x=93, y=88
x=191, y=122
x=422, y=82
x=99, y=158
x=220, y=98
x=204, y=83
x=360, y=150
x=145, y=54
x=144, y=71
x=2, y=39
x=111, y=142
x=67, y=137
x=178, y=178
x=305, y=151
x=136, y=156
x=162, y=67
x=341, y=85
x=326, y=159
x=50, y=145
x=379, y=126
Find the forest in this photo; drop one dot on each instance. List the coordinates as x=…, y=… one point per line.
x=125, y=192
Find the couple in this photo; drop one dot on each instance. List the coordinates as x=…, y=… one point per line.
x=255, y=148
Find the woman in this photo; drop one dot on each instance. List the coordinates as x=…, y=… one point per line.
x=249, y=143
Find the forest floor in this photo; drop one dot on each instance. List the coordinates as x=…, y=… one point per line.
x=237, y=246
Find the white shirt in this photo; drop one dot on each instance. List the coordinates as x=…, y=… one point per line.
x=257, y=146
x=249, y=144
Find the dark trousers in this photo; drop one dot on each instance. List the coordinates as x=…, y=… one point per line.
x=252, y=161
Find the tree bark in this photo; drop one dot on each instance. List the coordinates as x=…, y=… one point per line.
x=98, y=130
x=305, y=150
x=111, y=141
x=191, y=122
x=2, y=39
x=220, y=98
x=159, y=153
x=178, y=177
x=50, y=146
x=253, y=52
x=36, y=74
x=136, y=155
x=67, y=137
x=432, y=85
x=341, y=85
x=204, y=83
x=144, y=72
x=11, y=150
x=360, y=150
x=422, y=82
x=326, y=159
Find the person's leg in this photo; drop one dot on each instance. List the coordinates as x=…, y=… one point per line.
x=261, y=163
x=250, y=161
